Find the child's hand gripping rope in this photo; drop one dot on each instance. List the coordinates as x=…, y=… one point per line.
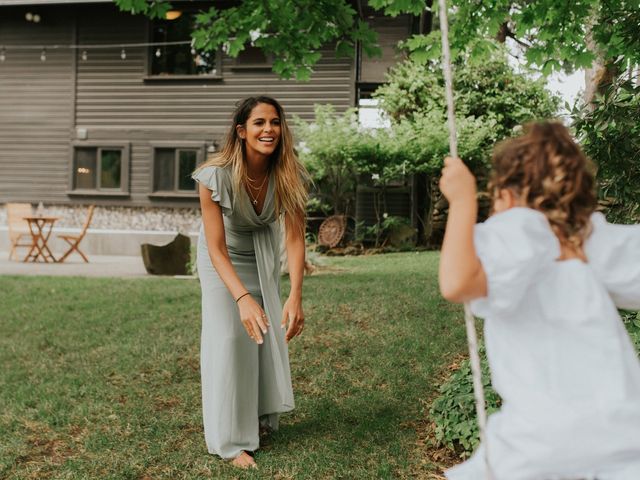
x=457, y=183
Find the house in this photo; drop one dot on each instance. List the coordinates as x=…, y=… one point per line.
x=100, y=106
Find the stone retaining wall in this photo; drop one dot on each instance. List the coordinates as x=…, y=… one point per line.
x=122, y=218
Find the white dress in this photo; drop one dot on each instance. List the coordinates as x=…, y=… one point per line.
x=559, y=354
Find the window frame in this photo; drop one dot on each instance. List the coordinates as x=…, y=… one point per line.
x=123, y=191
x=150, y=77
x=199, y=147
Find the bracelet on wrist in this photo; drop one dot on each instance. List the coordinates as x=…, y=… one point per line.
x=243, y=295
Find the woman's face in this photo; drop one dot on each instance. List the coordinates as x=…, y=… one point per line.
x=262, y=131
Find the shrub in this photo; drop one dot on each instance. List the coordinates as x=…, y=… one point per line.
x=454, y=411
x=491, y=89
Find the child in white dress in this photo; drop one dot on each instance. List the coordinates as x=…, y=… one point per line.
x=547, y=273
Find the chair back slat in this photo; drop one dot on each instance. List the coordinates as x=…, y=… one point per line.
x=15, y=218
x=87, y=222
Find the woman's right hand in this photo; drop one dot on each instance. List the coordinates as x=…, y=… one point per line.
x=253, y=318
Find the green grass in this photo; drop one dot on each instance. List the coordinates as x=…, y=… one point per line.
x=100, y=377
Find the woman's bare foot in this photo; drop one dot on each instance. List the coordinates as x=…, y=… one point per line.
x=244, y=461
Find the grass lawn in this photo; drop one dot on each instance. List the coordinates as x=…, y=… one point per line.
x=100, y=377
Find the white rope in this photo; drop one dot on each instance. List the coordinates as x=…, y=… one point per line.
x=472, y=339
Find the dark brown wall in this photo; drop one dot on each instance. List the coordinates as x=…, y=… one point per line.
x=43, y=104
x=36, y=107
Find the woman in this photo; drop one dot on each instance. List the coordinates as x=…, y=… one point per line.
x=244, y=191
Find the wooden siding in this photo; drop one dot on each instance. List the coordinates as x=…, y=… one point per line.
x=115, y=102
x=390, y=31
x=44, y=104
x=36, y=107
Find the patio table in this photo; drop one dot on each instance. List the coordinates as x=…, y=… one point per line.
x=40, y=228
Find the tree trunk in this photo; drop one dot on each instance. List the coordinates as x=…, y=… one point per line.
x=601, y=73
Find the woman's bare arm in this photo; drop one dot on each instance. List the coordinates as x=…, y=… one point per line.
x=292, y=309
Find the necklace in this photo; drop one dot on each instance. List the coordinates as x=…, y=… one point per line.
x=254, y=198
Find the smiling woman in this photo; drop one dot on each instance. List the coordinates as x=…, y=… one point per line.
x=244, y=191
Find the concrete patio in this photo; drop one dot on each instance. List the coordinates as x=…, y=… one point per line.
x=99, y=266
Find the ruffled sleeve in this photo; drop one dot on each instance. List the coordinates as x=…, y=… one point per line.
x=218, y=181
x=514, y=247
x=613, y=252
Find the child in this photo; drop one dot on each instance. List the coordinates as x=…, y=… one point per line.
x=546, y=273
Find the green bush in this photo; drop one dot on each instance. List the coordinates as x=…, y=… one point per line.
x=454, y=411
x=337, y=151
x=327, y=148
x=632, y=322
x=490, y=90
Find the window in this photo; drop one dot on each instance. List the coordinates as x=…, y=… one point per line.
x=172, y=168
x=100, y=169
x=252, y=58
x=179, y=60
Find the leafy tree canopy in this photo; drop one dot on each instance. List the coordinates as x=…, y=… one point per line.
x=491, y=90
x=609, y=132
x=293, y=31
x=554, y=35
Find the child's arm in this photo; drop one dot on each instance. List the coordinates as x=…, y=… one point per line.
x=462, y=277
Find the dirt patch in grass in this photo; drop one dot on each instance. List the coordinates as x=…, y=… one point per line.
x=166, y=403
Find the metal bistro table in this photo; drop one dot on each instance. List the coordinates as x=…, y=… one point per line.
x=40, y=227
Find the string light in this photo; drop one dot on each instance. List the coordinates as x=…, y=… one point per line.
x=84, y=48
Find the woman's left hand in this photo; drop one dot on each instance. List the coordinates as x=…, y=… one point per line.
x=292, y=313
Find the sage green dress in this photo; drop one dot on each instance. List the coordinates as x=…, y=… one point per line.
x=243, y=384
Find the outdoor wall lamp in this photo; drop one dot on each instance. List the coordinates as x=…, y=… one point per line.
x=173, y=14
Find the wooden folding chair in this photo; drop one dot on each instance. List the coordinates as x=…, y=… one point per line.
x=74, y=240
x=19, y=232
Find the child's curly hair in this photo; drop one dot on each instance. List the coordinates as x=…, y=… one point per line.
x=549, y=173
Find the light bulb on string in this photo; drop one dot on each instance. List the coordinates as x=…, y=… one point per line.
x=3, y=55
x=158, y=53
x=84, y=56
x=123, y=54
x=43, y=55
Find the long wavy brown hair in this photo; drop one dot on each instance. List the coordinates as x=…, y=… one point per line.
x=291, y=177
x=548, y=172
